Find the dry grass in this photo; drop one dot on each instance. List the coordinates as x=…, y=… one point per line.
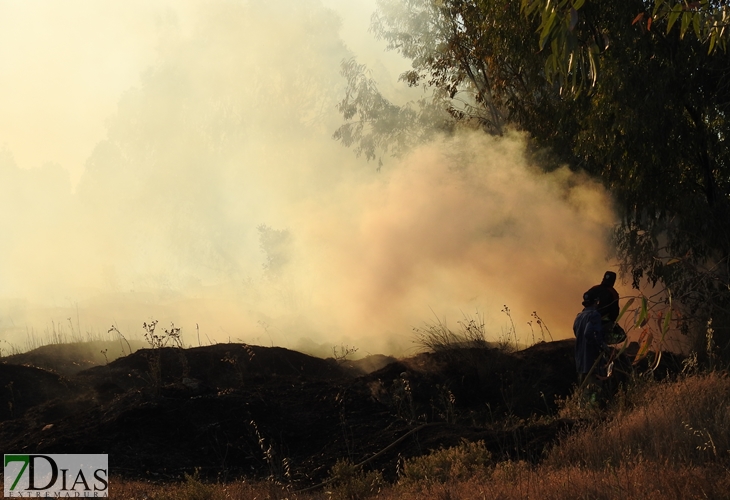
x=520, y=481
x=193, y=489
x=437, y=336
x=686, y=421
x=507, y=481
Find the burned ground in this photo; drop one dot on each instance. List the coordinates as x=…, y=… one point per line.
x=232, y=410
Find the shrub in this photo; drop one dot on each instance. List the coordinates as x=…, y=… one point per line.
x=350, y=482
x=449, y=464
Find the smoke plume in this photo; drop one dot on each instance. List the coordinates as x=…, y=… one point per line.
x=214, y=197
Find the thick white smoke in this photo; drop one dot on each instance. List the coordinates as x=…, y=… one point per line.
x=216, y=196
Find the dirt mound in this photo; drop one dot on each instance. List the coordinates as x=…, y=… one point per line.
x=212, y=368
x=365, y=365
x=234, y=410
x=520, y=384
x=69, y=359
x=24, y=387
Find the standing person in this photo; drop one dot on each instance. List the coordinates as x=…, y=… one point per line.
x=608, y=296
x=609, y=308
x=590, y=344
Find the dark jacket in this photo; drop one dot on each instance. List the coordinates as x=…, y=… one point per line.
x=589, y=338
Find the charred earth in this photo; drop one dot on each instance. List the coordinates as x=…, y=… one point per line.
x=237, y=410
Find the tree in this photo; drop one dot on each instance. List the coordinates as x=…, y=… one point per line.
x=380, y=126
x=277, y=245
x=475, y=58
x=654, y=129
x=573, y=50
x=641, y=105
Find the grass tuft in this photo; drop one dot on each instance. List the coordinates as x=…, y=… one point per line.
x=438, y=337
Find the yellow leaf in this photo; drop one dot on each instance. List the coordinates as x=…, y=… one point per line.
x=645, y=340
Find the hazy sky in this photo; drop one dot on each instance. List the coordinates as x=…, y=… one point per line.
x=145, y=142
x=66, y=65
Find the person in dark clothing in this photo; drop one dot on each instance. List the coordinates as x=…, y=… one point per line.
x=590, y=343
x=608, y=297
x=609, y=308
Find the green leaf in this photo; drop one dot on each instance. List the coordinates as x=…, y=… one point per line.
x=657, y=5
x=546, y=28
x=548, y=70
x=577, y=4
x=686, y=19
x=625, y=308
x=536, y=5
x=573, y=19
x=676, y=11
x=696, y=25
x=668, y=317
x=529, y=7
x=593, y=66
x=643, y=313
x=665, y=323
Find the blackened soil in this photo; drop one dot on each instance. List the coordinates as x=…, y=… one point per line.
x=233, y=410
x=70, y=358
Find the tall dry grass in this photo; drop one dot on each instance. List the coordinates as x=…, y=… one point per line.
x=507, y=481
x=684, y=421
x=517, y=481
x=194, y=489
